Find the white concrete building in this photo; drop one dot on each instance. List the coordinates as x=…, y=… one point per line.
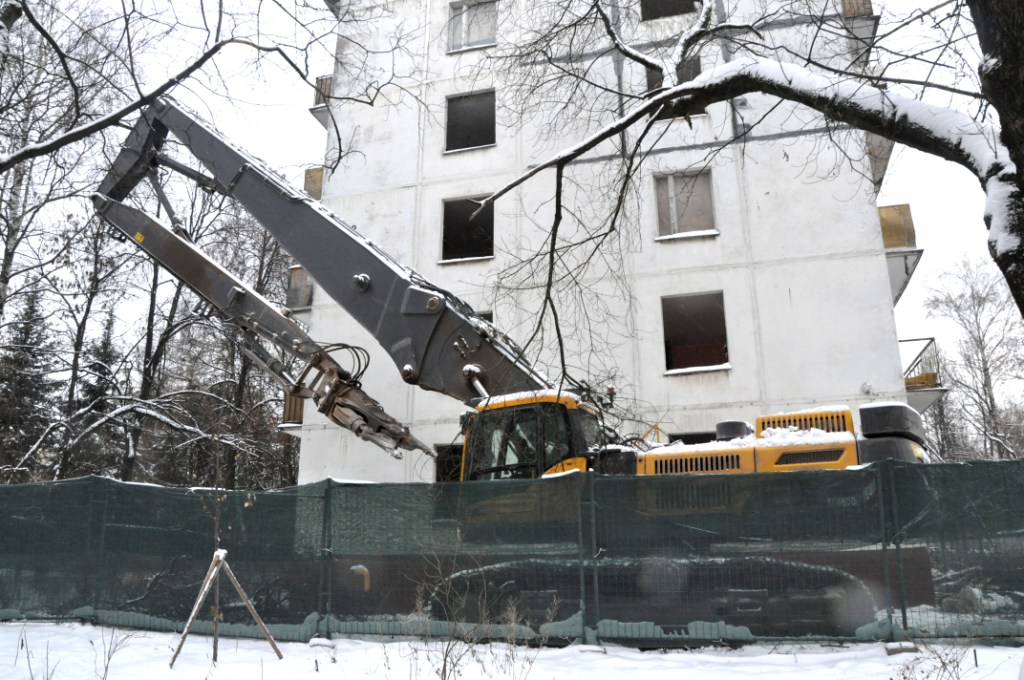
x=754, y=278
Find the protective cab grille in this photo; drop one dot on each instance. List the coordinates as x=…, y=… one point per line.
x=712, y=463
x=828, y=421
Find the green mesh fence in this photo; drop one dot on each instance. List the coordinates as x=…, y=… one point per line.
x=877, y=553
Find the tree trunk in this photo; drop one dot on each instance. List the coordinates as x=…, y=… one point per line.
x=1000, y=26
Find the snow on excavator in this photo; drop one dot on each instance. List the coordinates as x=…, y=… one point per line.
x=521, y=425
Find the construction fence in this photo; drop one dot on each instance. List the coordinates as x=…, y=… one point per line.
x=881, y=552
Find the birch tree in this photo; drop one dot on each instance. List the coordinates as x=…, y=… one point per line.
x=987, y=366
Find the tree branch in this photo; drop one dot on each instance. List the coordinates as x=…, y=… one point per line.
x=81, y=132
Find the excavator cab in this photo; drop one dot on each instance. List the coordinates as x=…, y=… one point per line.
x=527, y=435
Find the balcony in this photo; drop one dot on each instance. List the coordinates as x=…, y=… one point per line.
x=921, y=373
x=857, y=8
x=900, y=241
x=321, y=99
x=313, y=182
x=862, y=25
x=291, y=419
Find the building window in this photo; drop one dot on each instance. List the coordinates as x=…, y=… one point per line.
x=462, y=237
x=471, y=24
x=684, y=203
x=685, y=72
x=655, y=9
x=470, y=121
x=694, y=331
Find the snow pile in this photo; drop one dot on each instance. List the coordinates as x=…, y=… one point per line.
x=771, y=436
x=793, y=436
x=37, y=650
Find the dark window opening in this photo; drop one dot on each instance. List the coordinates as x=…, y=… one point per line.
x=470, y=121
x=684, y=203
x=472, y=24
x=448, y=465
x=463, y=237
x=655, y=9
x=685, y=72
x=694, y=331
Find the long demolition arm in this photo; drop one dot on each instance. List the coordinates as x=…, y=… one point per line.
x=434, y=338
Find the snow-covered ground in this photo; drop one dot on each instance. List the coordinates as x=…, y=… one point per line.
x=31, y=651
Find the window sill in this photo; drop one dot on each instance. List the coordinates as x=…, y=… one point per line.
x=471, y=48
x=470, y=148
x=698, y=369
x=465, y=260
x=686, y=235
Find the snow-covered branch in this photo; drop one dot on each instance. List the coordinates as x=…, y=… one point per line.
x=947, y=133
x=103, y=122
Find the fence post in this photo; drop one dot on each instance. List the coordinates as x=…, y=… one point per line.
x=884, y=533
x=594, y=551
x=897, y=539
x=92, y=568
x=325, y=603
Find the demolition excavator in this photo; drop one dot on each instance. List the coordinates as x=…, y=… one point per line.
x=520, y=425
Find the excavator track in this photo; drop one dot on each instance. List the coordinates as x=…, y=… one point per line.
x=759, y=596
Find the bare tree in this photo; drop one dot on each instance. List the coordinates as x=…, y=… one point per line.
x=161, y=47
x=986, y=370
x=37, y=86
x=68, y=76
x=219, y=384
x=938, y=94
x=81, y=285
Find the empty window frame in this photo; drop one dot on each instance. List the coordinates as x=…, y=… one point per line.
x=694, y=331
x=463, y=238
x=685, y=203
x=655, y=9
x=471, y=24
x=470, y=121
x=685, y=72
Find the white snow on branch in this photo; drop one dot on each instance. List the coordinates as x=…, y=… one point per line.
x=963, y=139
x=979, y=141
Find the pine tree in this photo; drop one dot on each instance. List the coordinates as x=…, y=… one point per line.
x=26, y=389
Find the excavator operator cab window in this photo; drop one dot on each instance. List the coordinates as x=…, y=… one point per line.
x=593, y=432
x=516, y=442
